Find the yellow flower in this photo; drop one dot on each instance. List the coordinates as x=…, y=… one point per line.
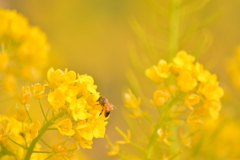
x=81, y=133
x=186, y=82
x=64, y=150
x=65, y=127
x=55, y=77
x=38, y=90
x=158, y=73
x=98, y=125
x=163, y=136
x=201, y=74
x=131, y=101
x=24, y=95
x=160, y=97
x=4, y=130
x=114, y=149
x=78, y=109
x=31, y=130
x=194, y=119
x=182, y=61
x=57, y=99
x=84, y=131
x=191, y=100
x=69, y=77
x=86, y=84
x=21, y=114
x=213, y=106
x=26, y=46
x=211, y=91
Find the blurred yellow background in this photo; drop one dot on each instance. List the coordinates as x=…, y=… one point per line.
x=93, y=37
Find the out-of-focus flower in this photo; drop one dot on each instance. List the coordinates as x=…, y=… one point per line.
x=186, y=140
x=38, y=90
x=4, y=130
x=24, y=95
x=218, y=139
x=131, y=101
x=160, y=97
x=24, y=48
x=198, y=85
x=64, y=150
x=182, y=61
x=158, y=73
x=31, y=130
x=185, y=95
x=163, y=135
x=186, y=82
x=191, y=100
x=21, y=114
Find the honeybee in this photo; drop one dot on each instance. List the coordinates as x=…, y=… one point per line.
x=107, y=107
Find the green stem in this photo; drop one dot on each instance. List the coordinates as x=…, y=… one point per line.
x=40, y=134
x=46, y=115
x=24, y=136
x=45, y=118
x=45, y=143
x=138, y=147
x=174, y=28
x=28, y=113
x=17, y=143
x=48, y=157
x=154, y=136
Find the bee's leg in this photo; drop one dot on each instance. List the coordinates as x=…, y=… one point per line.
x=101, y=112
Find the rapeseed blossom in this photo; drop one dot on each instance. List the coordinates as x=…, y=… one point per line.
x=199, y=93
x=186, y=95
x=23, y=50
x=76, y=114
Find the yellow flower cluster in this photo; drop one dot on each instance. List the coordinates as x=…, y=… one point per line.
x=77, y=96
x=76, y=113
x=189, y=81
x=23, y=49
x=186, y=95
x=13, y=140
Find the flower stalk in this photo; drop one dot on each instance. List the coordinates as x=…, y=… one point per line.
x=41, y=133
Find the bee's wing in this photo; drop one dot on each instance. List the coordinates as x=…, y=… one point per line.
x=111, y=106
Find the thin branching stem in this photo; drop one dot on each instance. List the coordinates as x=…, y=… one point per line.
x=174, y=28
x=138, y=147
x=24, y=136
x=28, y=113
x=17, y=143
x=48, y=157
x=40, y=134
x=45, y=143
x=154, y=135
x=45, y=117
